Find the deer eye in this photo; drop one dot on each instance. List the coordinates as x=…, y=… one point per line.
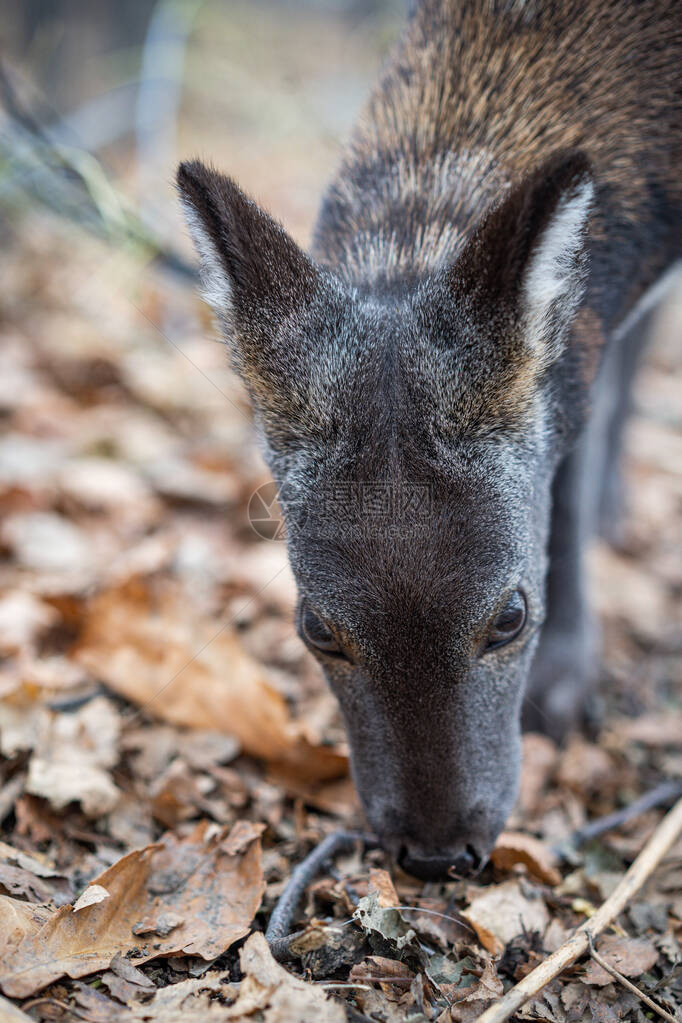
x=316, y=632
x=508, y=623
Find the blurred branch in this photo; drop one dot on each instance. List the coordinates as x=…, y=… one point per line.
x=71, y=182
x=158, y=98
x=664, y=794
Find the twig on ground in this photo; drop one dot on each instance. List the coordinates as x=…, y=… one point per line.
x=628, y=984
x=666, y=792
x=665, y=835
x=277, y=934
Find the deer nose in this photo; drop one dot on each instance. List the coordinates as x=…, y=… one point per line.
x=439, y=865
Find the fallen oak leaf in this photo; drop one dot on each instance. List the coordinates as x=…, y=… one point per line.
x=93, y=894
x=196, y=674
x=630, y=956
x=513, y=847
x=381, y=885
x=217, y=892
x=501, y=912
x=19, y=920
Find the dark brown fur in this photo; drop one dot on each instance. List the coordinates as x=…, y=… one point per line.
x=504, y=84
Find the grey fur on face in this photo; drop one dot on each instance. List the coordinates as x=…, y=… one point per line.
x=421, y=385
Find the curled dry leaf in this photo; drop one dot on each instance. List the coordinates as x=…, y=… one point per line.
x=278, y=997
x=72, y=755
x=189, y=1001
x=502, y=912
x=513, y=847
x=213, y=889
x=93, y=893
x=196, y=674
x=381, y=885
x=389, y=972
x=385, y=926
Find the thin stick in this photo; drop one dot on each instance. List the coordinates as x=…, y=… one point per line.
x=277, y=934
x=663, y=838
x=666, y=792
x=627, y=984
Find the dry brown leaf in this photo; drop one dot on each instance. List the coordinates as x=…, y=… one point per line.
x=269, y=989
x=654, y=730
x=33, y=870
x=395, y=977
x=47, y=542
x=72, y=756
x=476, y=999
x=12, y=1014
x=22, y=618
x=381, y=884
x=215, y=891
x=513, y=847
x=18, y=920
x=196, y=674
x=93, y=893
x=502, y=912
x=338, y=797
x=22, y=717
x=630, y=956
x=586, y=768
x=189, y=1001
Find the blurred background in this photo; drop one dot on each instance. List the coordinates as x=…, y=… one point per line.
x=129, y=573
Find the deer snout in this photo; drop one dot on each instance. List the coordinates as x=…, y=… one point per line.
x=438, y=863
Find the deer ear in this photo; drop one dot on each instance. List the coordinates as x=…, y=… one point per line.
x=254, y=274
x=528, y=258
x=261, y=286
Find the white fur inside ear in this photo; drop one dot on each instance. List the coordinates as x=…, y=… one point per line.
x=216, y=288
x=553, y=284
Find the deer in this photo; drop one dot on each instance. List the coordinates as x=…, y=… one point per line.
x=440, y=385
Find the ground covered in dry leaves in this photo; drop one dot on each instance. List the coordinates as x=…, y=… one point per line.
x=168, y=751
